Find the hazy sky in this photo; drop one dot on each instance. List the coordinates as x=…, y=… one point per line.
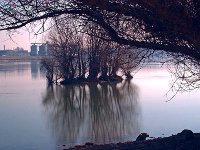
x=20, y=38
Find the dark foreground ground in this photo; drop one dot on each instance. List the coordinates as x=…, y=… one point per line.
x=186, y=140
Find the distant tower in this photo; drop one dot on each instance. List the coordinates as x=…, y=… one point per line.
x=33, y=50
x=42, y=50
x=4, y=47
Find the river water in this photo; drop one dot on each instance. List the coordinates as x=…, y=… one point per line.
x=34, y=116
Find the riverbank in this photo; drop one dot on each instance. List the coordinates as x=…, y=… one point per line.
x=21, y=58
x=186, y=140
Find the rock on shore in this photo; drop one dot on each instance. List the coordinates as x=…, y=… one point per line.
x=185, y=140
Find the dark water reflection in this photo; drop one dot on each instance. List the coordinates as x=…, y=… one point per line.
x=99, y=113
x=16, y=68
x=35, y=69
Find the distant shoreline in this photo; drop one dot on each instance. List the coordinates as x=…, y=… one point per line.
x=26, y=58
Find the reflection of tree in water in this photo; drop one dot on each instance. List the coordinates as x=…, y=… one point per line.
x=97, y=113
x=35, y=66
x=36, y=72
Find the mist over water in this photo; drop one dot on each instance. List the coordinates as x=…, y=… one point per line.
x=35, y=116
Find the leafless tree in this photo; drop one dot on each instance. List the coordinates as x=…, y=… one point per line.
x=48, y=66
x=66, y=48
x=76, y=50
x=186, y=74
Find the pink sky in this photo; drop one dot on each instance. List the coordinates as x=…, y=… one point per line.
x=21, y=38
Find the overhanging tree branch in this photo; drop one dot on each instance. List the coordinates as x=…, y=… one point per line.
x=172, y=26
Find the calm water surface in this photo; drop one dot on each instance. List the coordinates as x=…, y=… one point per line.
x=34, y=116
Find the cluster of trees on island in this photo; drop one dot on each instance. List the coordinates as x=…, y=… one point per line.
x=78, y=56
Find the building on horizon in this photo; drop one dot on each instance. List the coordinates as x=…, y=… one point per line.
x=42, y=50
x=14, y=53
x=39, y=49
x=34, y=51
